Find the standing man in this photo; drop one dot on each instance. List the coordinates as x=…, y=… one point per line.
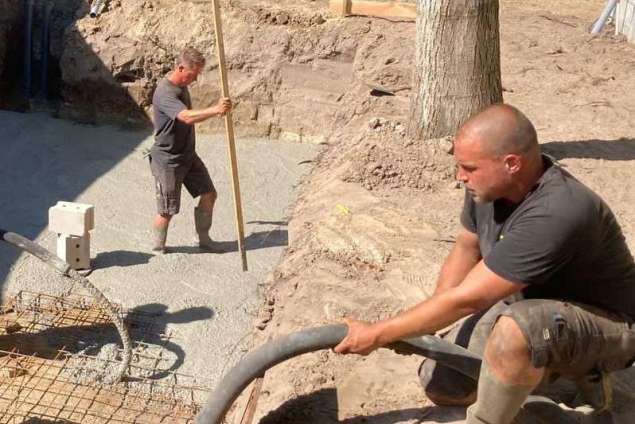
x=173, y=158
x=530, y=229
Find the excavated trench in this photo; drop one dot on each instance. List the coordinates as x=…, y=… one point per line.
x=32, y=36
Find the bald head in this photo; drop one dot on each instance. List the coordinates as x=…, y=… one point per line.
x=500, y=130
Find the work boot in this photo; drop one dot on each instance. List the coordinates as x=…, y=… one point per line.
x=159, y=236
x=203, y=223
x=596, y=389
x=496, y=402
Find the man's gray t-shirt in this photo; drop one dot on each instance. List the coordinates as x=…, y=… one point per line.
x=174, y=140
x=562, y=240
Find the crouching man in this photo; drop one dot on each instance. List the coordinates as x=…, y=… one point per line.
x=541, y=267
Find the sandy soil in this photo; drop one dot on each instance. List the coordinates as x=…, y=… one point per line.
x=379, y=213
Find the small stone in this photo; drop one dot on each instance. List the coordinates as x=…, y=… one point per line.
x=318, y=20
x=282, y=19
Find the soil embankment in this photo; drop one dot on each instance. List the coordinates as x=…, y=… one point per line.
x=378, y=214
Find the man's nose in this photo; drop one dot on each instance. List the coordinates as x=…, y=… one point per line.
x=460, y=175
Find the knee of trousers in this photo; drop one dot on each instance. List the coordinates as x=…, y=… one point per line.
x=507, y=339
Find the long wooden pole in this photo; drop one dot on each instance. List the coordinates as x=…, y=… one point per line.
x=229, y=131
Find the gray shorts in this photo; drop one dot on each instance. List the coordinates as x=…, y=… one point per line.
x=569, y=339
x=168, y=182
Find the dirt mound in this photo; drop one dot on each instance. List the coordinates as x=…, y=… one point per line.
x=278, y=14
x=376, y=219
x=294, y=72
x=386, y=159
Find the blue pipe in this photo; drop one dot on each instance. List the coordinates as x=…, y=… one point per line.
x=608, y=9
x=28, y=48
x=45, y=50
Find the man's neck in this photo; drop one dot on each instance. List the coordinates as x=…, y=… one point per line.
x=174, y=79
x=527, y=182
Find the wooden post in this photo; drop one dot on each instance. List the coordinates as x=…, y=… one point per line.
x=252, y=403
x=376, y=8
x=341, y=7
x=229, y=131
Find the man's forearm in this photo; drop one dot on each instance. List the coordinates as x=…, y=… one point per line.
x=427, y=317
x=463, y=257
x=193, y=116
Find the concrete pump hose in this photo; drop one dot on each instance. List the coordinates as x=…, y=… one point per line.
x=255, y=363
x=63, y=268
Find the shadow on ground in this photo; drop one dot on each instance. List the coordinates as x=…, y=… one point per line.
x=254, y=241
x=257, y=240
x=120, y=258
x=620, y=149
x=147, y=325
x=38, y=167
x=321, y=407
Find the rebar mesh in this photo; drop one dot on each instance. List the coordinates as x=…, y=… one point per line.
x=55, y=351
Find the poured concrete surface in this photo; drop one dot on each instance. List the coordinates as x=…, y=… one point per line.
x=204, y=298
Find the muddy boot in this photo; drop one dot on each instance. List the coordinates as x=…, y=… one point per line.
x=496, y=402
x=203, y=223
x=597, y=390
x=159, y=235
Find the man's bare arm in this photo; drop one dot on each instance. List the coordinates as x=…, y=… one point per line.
x=481, y=289
x=193, y=116
x=462, y=258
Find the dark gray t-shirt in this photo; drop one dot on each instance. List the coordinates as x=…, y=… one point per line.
x=174, y=140
x=562, y=240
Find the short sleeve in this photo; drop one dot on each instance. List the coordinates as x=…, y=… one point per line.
x=468, y=215
x=169, y=104
x=534, y=248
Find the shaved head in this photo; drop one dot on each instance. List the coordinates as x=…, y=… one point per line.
x=497, y=154
x=500, y=130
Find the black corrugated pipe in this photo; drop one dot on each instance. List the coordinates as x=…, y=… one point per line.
x=63, y=268
x=255, y=363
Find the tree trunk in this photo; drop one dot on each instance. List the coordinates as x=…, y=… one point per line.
x=457, y=69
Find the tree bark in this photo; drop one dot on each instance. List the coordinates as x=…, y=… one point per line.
x=457, y=69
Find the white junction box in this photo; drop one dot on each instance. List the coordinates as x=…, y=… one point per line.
x=74, y=250
x=75, y=219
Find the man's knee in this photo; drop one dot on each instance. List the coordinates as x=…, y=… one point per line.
x=507, y=341
x=209, y=197
x=507, y=351
x=162, y=219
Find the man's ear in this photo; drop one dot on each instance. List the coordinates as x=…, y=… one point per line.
x=513, y=163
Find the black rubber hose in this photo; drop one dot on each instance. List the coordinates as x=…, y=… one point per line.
x=255, y=363
x=63, y=268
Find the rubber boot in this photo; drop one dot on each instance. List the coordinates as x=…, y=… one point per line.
x=496, y=402
x=203, y=223
x=159, y=236
x=597, y=390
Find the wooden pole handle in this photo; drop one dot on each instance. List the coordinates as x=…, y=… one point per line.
x=229, y=132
